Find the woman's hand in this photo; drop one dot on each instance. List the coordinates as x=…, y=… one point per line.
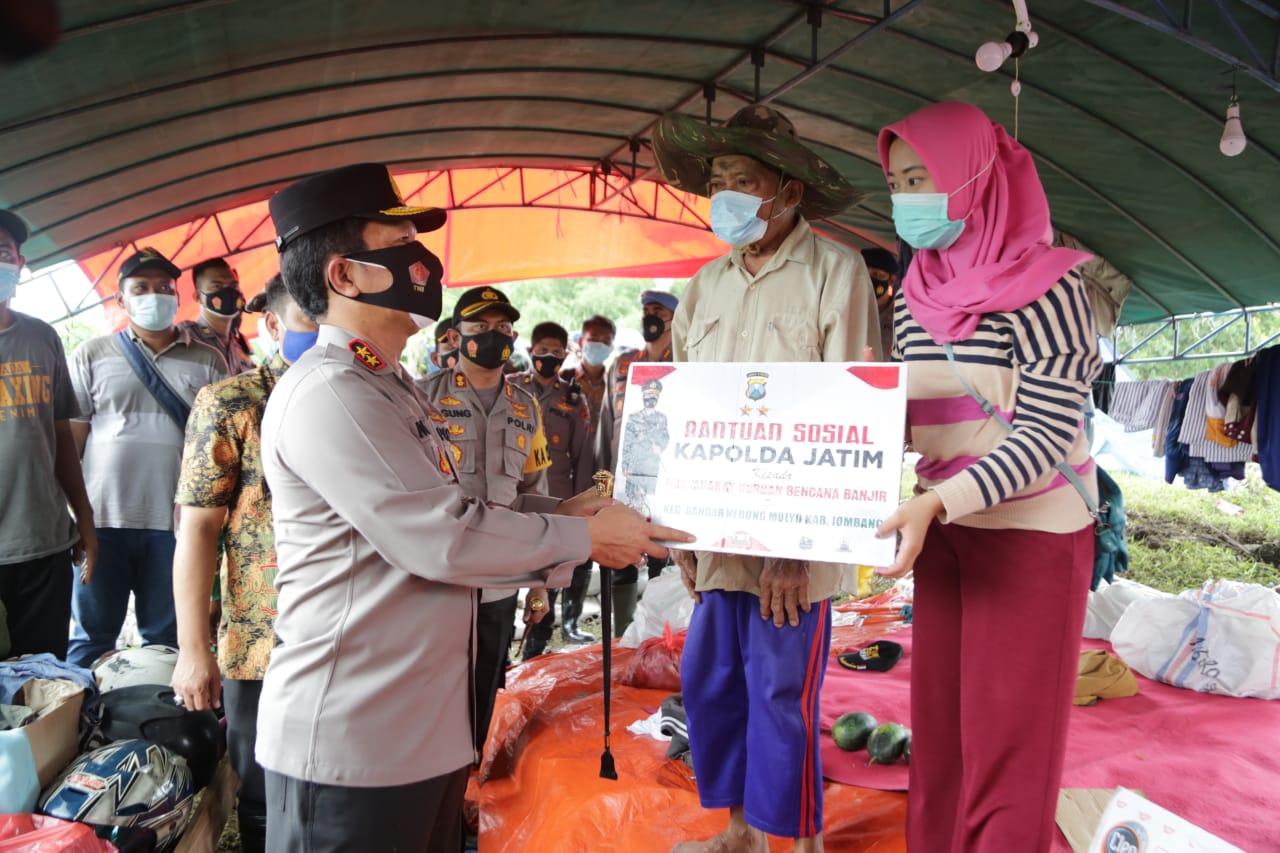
x=912, y=520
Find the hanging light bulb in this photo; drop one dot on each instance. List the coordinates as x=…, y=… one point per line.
x=994, y=53
x=1233, y=139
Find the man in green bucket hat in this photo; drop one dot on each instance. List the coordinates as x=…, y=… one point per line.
x=761, y=630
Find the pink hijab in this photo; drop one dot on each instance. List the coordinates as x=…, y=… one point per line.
x=1004, y=260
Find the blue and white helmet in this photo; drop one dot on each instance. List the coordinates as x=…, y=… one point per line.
x=128, y=783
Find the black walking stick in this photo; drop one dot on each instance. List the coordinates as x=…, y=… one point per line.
x=604, y=488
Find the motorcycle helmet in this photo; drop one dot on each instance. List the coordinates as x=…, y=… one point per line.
x=143, y=665
x=130, y=783
x=150, y=712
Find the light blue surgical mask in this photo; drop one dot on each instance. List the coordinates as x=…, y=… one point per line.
x=9, y=275
x=152, y=311
x=921, y=218
x=595, y=353
x=734, y=217
x=295, y=344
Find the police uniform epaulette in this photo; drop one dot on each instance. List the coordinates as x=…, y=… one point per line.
x=366, y=355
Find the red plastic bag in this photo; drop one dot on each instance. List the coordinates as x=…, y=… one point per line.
x=37, y=833
x=656, y=663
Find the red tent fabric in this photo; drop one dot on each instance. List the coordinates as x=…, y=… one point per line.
x=505, y=224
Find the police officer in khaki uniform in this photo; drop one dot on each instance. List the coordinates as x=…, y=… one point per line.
x=566, y=419
x=499, y=450
x=365, y=726
x=658, y=309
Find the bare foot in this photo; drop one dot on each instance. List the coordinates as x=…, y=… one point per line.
x=732, y=840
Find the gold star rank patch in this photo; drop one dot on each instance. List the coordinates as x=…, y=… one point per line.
x=366, y=355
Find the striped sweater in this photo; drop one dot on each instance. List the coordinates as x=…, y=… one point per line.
x=1035, y=365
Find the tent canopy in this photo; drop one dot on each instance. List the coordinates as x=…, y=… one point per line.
x=151, y=114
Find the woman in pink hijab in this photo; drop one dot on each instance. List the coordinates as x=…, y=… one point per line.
x=1000, y=543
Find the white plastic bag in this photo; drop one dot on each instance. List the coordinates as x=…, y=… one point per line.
x=1223, y=638
x=665, y=600
x=1108, y=603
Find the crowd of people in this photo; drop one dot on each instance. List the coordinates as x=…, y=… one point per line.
x=337, y=548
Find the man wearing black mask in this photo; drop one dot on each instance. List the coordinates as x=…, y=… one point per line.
x=218, y=324
x=499, y=450
x=659, y=308
x=567, y=424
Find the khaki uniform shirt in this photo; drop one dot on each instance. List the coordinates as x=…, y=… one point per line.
x=379, y=555
x=232, y=350
x=498, y=455
x=566, y=419
x=812, y=301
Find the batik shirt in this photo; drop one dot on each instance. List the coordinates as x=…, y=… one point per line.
x=222, y=467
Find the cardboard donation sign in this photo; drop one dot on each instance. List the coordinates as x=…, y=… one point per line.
x=802, y=461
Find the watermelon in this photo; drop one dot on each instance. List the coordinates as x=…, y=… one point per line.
x=887, y=743
x=851, y=731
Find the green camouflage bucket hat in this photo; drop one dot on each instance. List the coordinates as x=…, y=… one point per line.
x=684, y=147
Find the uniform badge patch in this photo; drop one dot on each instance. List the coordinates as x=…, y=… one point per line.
x=456, y=451
x=459, y=381
x=438, y=418
x=457, y=430
x=521, y=410
x=366, y=355
x=555, y=438
x=522, y=441
x=450, y=401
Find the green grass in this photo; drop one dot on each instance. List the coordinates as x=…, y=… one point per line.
x=1179, y=538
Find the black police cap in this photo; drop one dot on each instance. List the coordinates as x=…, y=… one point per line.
x=148, y=259
x=362, y=191
x=478, y=300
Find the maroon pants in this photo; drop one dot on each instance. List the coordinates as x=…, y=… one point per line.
x=995, y=644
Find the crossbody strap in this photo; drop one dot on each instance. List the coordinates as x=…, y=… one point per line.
x=173, y=405
x=1066, y=470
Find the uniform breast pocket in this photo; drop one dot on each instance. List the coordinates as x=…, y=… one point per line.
x=703, y=335
x=793, y=337
x=465, y=453
x=516, y=450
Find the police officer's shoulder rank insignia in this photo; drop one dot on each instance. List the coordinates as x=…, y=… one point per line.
x=459, y=380
x=507, y=388
x=366, y=355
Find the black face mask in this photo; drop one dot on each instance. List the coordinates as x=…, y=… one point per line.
x=416, y=277
x=546, y=365
x=488, y=350
x=447, y=360
x=654, y=326
x=226, y=302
